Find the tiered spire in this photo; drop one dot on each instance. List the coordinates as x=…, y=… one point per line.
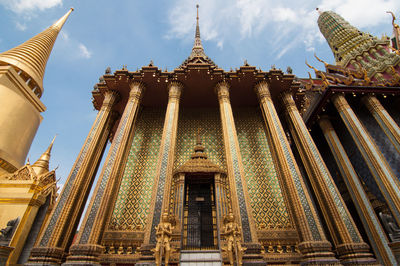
x=341, y=36
x=199, y=149
x=197, y=49
x=41, y=166
x=197, y=56
x=356, y=49
x=31, y=56
x=199, y=163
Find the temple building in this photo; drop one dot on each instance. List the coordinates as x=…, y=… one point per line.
x=27, y=192
x=249, y=166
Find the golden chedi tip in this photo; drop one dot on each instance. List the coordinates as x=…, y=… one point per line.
x=31, y=56
x=41, y=166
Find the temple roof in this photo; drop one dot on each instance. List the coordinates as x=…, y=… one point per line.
x=197, y=56
x=31, y=56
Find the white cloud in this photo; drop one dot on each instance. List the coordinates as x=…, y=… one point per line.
x=21, y=6
x=286, y=23
x=64, y=35
x=84, y=52
x=71, y=44
x=20, y=26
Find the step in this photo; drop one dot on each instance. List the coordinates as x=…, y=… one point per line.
x=200, y=258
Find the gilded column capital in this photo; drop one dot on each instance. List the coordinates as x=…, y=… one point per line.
x=222, y=90
x=137, y=89
x=262, y=90
x=175, y=90
x=325, y=123
x=288, y=101
x=372, y=103
x=110, y=98
x=340, y=102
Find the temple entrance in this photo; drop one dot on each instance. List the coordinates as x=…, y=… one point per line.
x=200, y=227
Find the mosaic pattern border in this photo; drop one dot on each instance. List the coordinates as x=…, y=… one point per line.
x=163, y=171
x=238, y=177
x=67, y=188
x=105, y=176
x=296, y=178
x=332, y=189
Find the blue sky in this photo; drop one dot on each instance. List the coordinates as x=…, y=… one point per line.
x=101, y=33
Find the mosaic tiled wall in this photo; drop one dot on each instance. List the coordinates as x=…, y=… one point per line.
x=132, y=205
x=382, y=141
x=263, y=185
x=208, y=122
x=356, y=158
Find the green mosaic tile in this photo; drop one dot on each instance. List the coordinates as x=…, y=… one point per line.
x=207, y=121
x=266, y=198
x=132, y=205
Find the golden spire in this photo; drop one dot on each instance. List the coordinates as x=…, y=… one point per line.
x=197, y=56
x=31, y=56
x=197, y=49
x=41, y=166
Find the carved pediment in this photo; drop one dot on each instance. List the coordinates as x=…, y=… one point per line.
x=24, y=173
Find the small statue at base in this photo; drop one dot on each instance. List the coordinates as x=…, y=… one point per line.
x=231, y=231
x=164, y=235
x=7, y=233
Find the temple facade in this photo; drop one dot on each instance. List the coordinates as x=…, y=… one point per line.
x=249, y=166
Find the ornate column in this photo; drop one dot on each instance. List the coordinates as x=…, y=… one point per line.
x=220, y=197
x=313, y=244
x=64, y=219
x=237, y=183
x=87, y=248
x=376, y=234
x=179, y=197
x=381, y=171
x=348, y=241
x=384, y=120
x=163, y=178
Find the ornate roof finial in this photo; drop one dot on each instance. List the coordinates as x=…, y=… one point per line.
x=396, y=31
x=197, y=55
x=322, y=61
x=197, y=41
x=41, y=166
x=199, y=148
x=31, y=56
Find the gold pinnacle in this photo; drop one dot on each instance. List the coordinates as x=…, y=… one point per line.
x=31, y=56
